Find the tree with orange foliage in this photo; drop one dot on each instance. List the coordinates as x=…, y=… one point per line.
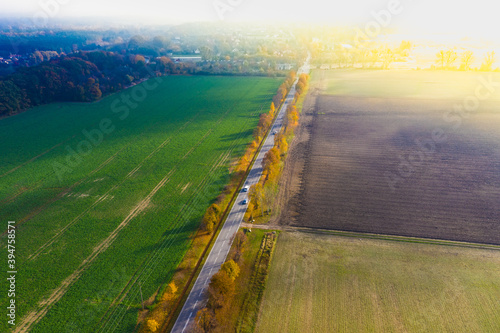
x=265, y=122
x=205, y=321
x=152, y=325
x=170, y=292
x=244, y=162
x=139, y=58
x=282, y=145
x=220, y=289
x=231, y=268
x=290, y=78
x=256, y=195
x=271, y=157
x=272, y=110
x=211, y=218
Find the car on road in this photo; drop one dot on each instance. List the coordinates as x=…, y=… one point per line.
x=244, y=202
x=245, y=188
x=274, y=132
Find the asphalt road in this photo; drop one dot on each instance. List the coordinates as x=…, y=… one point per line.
x=218, y=254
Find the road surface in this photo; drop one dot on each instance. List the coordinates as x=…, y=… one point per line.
x=218, y=254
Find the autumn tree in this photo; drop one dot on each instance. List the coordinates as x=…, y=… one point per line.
x=211, y=218
x=220, y=289
x=451, y=57
x=169, y=294
x=94, y=93
x=231, y=268
x=291, y=119
x=388, y=58
x=282, y=145
x=299, y=87
x=205, y=321
x=152, y=325
x=302, y=84
x=265, y=122
x=441, y=59
x=256, y=195
x=244, y=162
x=139, y=58
x=272, y=110
x=270, y=164
x=280, y=95
x=404, y=48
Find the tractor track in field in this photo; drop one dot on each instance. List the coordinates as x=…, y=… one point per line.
x=166, y=242
x=61, y=194
x=66, y=191
x=137, y=275
x=43, y=306
x=36, y=157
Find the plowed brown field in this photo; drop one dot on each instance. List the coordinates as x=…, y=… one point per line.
x=373, y=165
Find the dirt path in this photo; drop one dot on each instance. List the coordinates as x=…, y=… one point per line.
x=362, y=235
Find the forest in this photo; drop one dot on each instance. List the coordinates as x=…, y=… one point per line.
x=81, y=77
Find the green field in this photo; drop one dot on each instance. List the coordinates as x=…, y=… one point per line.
x=95, y=224
x=326, y=283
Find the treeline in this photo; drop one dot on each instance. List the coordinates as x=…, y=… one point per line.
x=253, y=291
x=213, y=213
x=446, y=60
x=265, y=122
x=81, y=77
x=262, y=194
x=221, y=290
x=370, y=56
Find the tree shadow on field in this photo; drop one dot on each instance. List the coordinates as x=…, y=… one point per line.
x=251, y=115
x=262, y=99
x=236, y=136
x=171, y=246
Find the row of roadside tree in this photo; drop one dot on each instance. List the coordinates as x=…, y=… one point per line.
x=220, y=290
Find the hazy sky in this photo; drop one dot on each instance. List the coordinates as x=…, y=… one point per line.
x=476, y=18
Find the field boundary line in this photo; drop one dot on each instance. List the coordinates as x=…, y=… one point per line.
x=365, y=235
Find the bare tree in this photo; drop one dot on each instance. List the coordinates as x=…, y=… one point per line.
x=488, y=61
x=467, y=59
x=450, y=58
x=445, y=59
x=440, y=58
x=388, y=58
